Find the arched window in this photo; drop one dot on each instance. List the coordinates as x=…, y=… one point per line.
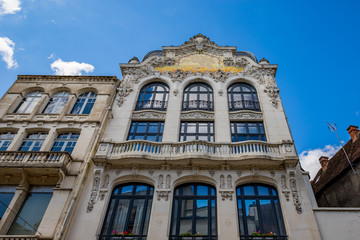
x=198, y=96
x=242, y=96
x=128, y=210
x=259, y=211
x=194, y=212
x=153, y=96
x=56, y=103
x=84, y=103
x=65, y=142
x=29, y=102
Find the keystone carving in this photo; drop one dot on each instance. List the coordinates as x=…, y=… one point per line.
x=163, y=194
x=226, y=194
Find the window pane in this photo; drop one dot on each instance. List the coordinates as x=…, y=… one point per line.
x=202, y=190
x=119, y=218
x=267, y=216
x=252, y=217
x=136, y=214
x=32, y=210
x=249, y=190
x=203, y=128
x=264, y=191
x=202, y=208
x=147, y=218
x=241, y=217
x=5, y=199
x=253, y=128
x=191, y=128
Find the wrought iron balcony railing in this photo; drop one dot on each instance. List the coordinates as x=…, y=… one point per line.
x=244, y=105
x=151, y=104
x=244, y=237
x=198, y=105
x=203, y=237
x=113, y=237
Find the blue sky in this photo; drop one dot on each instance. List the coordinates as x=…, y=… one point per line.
x=315, y=43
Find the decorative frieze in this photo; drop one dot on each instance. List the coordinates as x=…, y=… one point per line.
x=245, y=116
x=196, y=115
x=148, y=115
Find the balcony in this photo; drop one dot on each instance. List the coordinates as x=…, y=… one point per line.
x=198, y=105
x=196, y=151
x=151, y=104
x=35, y=161
x=244, y=105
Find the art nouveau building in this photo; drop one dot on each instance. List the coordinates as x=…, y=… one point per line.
x=197, y=146
x=49, y=127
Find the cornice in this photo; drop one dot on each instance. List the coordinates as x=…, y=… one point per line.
x=66, y=79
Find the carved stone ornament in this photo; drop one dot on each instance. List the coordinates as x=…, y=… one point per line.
x=197, y=115
x=148, y=115
x=226, y=194
x=245, y=116
x=163, y=194
x=94, y=190
x=284, y=188
x=222, y=182
x=295, y=195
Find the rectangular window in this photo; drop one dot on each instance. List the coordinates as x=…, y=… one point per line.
x=5, y=140
x=150, y=131
x=31, y=212
x=190, y=131
x=243, y=131
x=65, y=142
x=6, y=195
x=33, y=142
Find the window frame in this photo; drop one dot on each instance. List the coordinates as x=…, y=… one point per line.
x=248, y=135
x=4, y=141
x=252, y=104
x=35, y=98
x=42, y=135
x=68, y=140
x=160, y=105
x=158, y=134
x=241, y=197
x=148, y=197
x=60, y=102
x=89, y=99
x=205, y=105
x=185, y=134
x=179, y=196
x=7, y=190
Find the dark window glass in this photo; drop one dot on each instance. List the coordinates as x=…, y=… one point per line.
x=198, y=96
x=194, y=212
x=197, y=131
x=56, y=103
x=242, y=96
x=28, y=103
x=32, y=211
x=259, y=210
x=5, y=140
x=129, y=210
x=84, y=103
x=153, y=96
x=151, y=131
x=65, y=142
x=243, y=131
x=33, y=142
x=6, y=195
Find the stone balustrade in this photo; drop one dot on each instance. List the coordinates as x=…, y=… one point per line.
x=22, y=237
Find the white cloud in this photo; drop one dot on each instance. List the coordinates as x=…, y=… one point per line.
x=7, y=52
x=70, y=68
x=52, y=56
x=9, y=6
x=310, y=158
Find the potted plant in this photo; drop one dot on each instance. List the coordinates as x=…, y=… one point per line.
x=124, y=235
x=186, y=236
x=261, y=236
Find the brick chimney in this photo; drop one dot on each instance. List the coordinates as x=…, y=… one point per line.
x=353, y=132
x=323, y=162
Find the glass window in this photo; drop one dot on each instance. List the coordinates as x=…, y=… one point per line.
x=197, y=131
x=198, y=96
x=29, y=102
x=56, y=103
x=33, y=142
x=5, y=140
x=259, y=210
x=153, y=96
x=194, y=212
x=6, y=195
x=242, y=96
x=84, y=103
x=151, y=131
x=128, y=210
x=243, y=131
x=28, y=219
x=65, y=142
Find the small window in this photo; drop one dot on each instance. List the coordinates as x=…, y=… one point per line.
x=128, y=210
x=194, y=212
x=198, y=96
x=243, y=131
x=56, y=103
x=33, y=142
x=32, y=211
x=243, y=96
x=190, y=131
x=150, y=131
x=65, y=142
x=259, y=211
x=5, y=140
x=84, y=103
x=29, y=102
x=6, y=195
x=153, y=96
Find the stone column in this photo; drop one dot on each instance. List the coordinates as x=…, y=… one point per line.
x=172, y=120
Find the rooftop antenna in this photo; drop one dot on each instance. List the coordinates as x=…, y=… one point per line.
x=333, y=128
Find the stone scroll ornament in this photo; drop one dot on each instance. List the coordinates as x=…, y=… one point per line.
x=94, y=190
x=295, y=193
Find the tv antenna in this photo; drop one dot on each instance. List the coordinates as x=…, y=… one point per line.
x=333, y=128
